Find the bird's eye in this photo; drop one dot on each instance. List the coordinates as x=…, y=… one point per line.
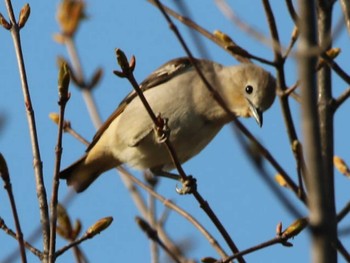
x=249, y=89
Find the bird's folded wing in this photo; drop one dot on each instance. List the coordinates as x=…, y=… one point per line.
x=159, y=76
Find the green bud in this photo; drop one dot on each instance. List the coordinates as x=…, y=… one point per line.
x=295, y=228
x=64, y=226
x=4, y=172
x=63, y=82
x=24, y=15
x=4, y=23
x=99, y=226
x=122, y=61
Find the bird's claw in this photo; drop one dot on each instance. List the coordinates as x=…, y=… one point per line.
x=189, y=185
x=162, y=129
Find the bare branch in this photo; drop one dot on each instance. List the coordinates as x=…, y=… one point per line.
x=234, y=49
x=5, y=176
x=38, y=169
x=326, y=119
x=341, y=73
x=284, y=100
x=346, y=10
x=341, y=99
x=291, y=11
x=345, y=211
x=230, y=14
x=63, y=97
x=10, y=232
x=153, y=235
x=316, y=178
x=87, y=95
x=178, y=210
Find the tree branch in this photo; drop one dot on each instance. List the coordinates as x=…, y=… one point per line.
x=326, y=118
x=5, y=175
x=316, y=178
x=345, y=4
x=37, y=163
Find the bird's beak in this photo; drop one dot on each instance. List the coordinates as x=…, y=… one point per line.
x=256, y=112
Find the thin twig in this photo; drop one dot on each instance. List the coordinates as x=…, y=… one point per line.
x=341, y=99
x=345, y=4
x=273, y=31
x=292, y=42
x=153, y=235
x=38, y=169
x=72, y=244
x=262, y=172
x=178, y=248
x=267, y=155
x=197, y=40
x=10, y=232
x=214, y=243
x=63, y=81
x=290, y=91
x=291, y=11
x=337, y=69
x=191, y=24
x=230, y=14
x=5, y=175
x=78, y=73
x=343, y=212
x=152, y=219
x=36, y=233
x=134, y=193
x=342, y=250
x=271, y=242
x=281, y=84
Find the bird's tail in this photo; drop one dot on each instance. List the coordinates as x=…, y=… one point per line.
x=82, y=173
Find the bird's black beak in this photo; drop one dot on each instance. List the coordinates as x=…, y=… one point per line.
x=257, y=113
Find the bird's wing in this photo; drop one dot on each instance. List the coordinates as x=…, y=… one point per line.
x=105, y=125
x=159, y=76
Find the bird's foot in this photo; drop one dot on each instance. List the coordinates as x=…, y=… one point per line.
x=162, y=129
x=189, y=186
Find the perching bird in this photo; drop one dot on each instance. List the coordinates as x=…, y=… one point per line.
x=175, y=91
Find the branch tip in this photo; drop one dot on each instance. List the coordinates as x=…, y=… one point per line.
x=24, y=15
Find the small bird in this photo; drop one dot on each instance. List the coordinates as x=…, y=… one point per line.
x=177, y=93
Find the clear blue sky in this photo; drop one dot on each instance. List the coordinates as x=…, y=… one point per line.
x=226, y=179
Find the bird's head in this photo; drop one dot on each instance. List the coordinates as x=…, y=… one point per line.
x=254, y=91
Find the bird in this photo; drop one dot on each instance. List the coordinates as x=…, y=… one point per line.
x=194, y=117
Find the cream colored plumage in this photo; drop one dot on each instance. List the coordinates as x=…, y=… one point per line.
x=194, y=117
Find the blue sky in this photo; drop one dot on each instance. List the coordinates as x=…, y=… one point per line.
x=226, y=179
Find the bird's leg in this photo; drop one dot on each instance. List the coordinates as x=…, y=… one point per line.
x=162, y=173
x=189, y=185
